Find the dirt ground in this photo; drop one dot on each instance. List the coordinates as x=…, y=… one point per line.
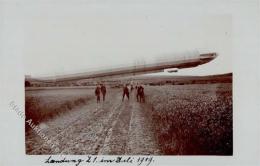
x=175, y=120
x=111, y=127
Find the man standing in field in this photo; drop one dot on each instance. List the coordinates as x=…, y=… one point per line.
x=125, y=92
x=97, y=93
x=103, y=91
x=140, y=94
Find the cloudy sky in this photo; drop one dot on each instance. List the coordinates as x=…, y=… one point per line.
x=62, y=38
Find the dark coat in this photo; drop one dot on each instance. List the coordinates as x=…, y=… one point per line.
x=97, y=91
x=103, y=89
x=126, y=91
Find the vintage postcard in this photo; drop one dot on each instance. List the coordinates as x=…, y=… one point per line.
x=129, y=83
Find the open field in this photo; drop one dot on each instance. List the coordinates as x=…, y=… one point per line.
x=193, y=119
x=110, y=127
x=42, y=104
x=175, y=120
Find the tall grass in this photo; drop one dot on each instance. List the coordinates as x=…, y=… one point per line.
x=194, y=119
x=42, y=107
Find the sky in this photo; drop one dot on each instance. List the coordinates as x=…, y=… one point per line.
x=64, y=38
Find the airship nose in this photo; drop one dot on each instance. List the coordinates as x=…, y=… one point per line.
x=214, y=55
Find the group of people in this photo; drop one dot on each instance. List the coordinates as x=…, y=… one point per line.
x=140, y=93
x=100, y=89
x=140, y=97
x=127, y=89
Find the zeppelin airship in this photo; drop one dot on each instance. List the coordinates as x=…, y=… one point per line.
x=182, y=62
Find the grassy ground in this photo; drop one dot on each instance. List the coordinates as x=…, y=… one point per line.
x=188, y=119
x=193, y=119
x=41, y=105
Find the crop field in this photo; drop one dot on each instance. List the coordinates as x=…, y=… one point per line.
x=192, y=119
x=43, y=104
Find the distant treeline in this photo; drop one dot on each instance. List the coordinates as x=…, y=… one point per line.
x=224, y=78
x=147, y=80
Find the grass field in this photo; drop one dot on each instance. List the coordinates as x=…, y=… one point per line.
x=193, y=119
x=41, y=105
